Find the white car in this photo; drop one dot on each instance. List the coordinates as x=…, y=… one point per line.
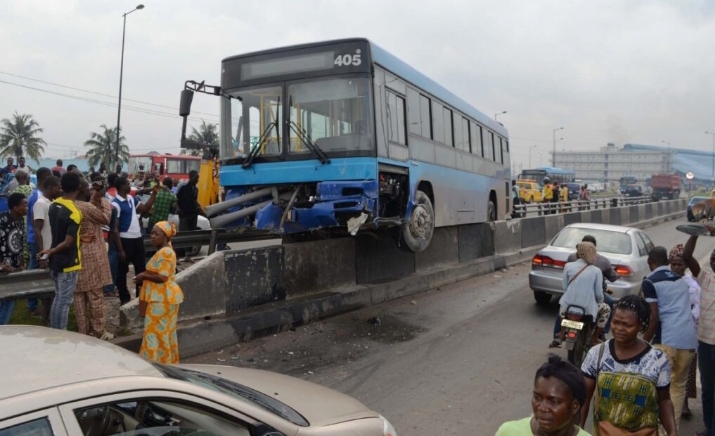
x=60, y=383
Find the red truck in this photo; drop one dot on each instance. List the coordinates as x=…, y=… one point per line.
x=665, y=186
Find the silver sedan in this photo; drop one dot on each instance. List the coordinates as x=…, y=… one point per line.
x=59, y=383
x=625, y=247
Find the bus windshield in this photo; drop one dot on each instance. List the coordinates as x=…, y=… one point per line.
x=334, y=114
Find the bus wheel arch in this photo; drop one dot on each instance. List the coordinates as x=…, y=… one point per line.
x=492, y=206
x=418, y=228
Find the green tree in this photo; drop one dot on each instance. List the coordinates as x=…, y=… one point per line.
x=104, y=148
x=19, y=137
x=206, y=137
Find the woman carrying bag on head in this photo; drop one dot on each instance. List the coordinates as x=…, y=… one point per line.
x=160, y=297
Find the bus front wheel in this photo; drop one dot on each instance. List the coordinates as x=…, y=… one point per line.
x=417, y=231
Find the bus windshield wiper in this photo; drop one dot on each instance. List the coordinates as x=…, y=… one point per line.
x=305, y=138
x=269, y=128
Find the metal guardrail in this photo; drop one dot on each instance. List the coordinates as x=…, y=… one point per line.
x=213, y=238
x=523, y=209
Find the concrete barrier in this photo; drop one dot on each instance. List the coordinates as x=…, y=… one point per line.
x=625, y=215
x=533, y=231
x=614, y=217
x=634, y=216
x=268, y=287
x=312, y=267
x=507, y=236
x=553, y=225
x=572, y=218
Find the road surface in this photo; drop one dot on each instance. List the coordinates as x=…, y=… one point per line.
x=454, y=360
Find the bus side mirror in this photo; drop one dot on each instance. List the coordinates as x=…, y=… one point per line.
x=187, y=96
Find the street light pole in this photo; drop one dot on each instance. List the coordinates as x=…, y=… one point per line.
x=667, y=168
x=121, y=74
x=712, y=180
x=530, y=148
x=496, y=115
x=553, y=153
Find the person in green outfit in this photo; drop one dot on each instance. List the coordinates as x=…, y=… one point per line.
x=164, y=204
x=559, y=393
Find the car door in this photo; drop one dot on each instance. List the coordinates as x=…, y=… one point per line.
x=41, y=423
x=157, y=413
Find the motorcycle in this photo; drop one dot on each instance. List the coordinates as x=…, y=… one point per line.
x=577, y=331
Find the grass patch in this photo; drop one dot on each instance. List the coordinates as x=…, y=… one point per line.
x=21, y=316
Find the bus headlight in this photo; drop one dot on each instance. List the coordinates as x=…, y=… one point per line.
x=387, y=428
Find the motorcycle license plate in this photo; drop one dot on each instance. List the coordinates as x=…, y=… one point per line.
x=572, y=324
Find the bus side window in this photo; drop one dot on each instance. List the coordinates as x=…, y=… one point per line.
x=396, y=118
x=477, y=140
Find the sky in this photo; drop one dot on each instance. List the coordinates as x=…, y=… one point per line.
x=638, y=71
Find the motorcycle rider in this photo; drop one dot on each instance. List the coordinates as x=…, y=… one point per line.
x=608, y=274
x=583, y=287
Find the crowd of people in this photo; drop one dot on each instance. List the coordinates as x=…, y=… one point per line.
x=85, y=230
x=640, y=380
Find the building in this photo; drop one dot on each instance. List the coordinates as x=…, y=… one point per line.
x=610, y=163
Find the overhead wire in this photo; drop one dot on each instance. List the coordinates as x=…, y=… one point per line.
x=99, y=93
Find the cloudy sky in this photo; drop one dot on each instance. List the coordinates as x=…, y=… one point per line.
x=640, y=71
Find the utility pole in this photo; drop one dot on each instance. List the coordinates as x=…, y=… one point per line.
x=553, y=154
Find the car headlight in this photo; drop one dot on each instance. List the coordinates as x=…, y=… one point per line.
x=387, y=428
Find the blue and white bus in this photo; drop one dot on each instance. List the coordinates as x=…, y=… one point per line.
x=342, y=134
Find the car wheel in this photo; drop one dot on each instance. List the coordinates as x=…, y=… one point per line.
x=542, y=297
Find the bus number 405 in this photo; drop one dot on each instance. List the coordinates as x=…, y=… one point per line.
x=346, y=60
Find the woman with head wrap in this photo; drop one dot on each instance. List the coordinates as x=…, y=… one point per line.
x=630, y=377
x=678, y=266
x=160, y=297
x=583, y=287
x=558, y=396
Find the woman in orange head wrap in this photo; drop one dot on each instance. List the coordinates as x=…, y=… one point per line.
x=160, y=297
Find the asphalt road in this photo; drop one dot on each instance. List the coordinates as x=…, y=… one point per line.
x=454, y=360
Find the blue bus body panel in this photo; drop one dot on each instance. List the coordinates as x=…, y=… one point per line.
x=303, y=171
x=396, y=66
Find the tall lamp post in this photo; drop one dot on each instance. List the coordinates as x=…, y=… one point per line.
x=121, y=73
x=531, y=148
x=667, y=167
x=553, y=154
x=496, y=115
x=713, y=135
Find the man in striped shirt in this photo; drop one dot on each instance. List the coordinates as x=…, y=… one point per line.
x=706, y=333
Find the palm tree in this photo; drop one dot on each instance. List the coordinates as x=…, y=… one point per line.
x=19, y=137
x=206, y=137
x=104, y=149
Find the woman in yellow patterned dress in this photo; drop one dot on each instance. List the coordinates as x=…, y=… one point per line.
x=159, y=298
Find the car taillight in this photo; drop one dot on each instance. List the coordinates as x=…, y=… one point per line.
x=624, y=271
x=547, y=262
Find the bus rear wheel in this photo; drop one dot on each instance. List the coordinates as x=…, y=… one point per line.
x=416, y=233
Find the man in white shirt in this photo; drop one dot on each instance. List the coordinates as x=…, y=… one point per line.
x=41, y=215
x=131, y=249
x=21, y=165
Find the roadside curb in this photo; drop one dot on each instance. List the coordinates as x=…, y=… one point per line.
x=200, y=336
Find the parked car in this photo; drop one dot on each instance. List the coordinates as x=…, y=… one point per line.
x=80, y=385
x=693, y=201
x=625, y=247
x=633, y=191
x=530, y=191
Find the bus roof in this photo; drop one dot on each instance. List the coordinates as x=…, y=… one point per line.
x=395, y=65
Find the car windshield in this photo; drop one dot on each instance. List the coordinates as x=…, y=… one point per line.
x=233, y=389
x=607, y=241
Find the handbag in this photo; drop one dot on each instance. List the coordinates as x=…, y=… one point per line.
x=605, y=428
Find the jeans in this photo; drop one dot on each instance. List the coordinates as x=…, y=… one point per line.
x=679, y=367
x=65, y=284
x=6, y=308
x=706, y=365
x=113, y=266
x=134, y=251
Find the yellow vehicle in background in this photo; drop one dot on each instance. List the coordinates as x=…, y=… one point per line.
x=530, y=191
